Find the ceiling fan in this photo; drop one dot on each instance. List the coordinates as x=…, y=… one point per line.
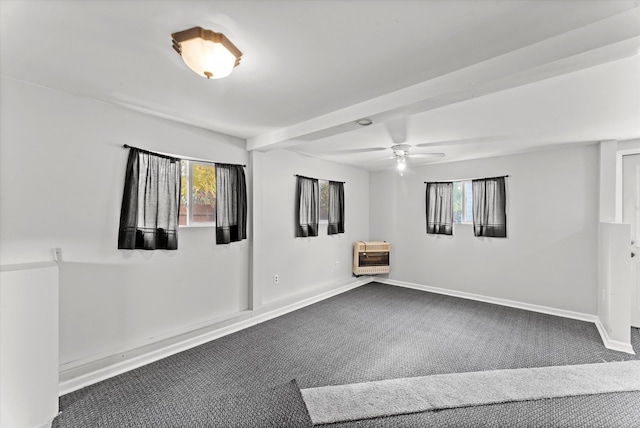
x=401, y=154
x=397, y=130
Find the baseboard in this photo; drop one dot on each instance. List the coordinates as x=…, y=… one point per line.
x=497, y=301
x=77, y=376
x=96, y=370
x=609, y=343
x=283, y=306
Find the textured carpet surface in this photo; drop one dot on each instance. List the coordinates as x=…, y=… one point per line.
x=279, y=406
x=330, y=404
x=378, y=332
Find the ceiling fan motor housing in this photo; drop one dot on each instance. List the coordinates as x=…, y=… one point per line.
x=401, y=149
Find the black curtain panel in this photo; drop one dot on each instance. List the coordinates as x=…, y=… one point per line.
x=231, y=204
x=439, y=208
x=307, y=206
x=336, y=208
x=489, y=207
x=150, y=203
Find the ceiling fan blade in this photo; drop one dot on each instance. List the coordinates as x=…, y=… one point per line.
x=460, y=141
x=379, y=159
x=354, y=151
x=397, y=129
x=425, y=155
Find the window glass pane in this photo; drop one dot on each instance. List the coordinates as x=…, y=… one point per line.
x=197, y=194
x=324, y=200
x=468, y=202
x=457, y=202
x=182, y=218
x=203, y=197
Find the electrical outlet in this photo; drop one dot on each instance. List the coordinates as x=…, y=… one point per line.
x=337, y=265
x=276, y=279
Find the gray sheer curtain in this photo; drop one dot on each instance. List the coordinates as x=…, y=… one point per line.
x=231, y=204
x=439, y=208
x=150, y=203
x=489, y=207
x=336, y=208
x=307, y=206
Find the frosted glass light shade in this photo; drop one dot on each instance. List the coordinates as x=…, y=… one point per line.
x=401, y=163
x=207, y=53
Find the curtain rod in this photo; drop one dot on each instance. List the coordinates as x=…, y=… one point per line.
x=323, y=179
x=466, y=179
x=126, y=146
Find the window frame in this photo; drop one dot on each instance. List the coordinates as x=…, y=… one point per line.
x=189, y=196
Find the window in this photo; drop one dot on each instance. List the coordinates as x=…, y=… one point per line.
x=197, y=194
x=324, y=200
x=462, y=202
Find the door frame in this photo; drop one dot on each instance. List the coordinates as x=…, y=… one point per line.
x=619, y=198
x=619, y=195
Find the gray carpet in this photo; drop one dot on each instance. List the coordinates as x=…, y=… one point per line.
x=378, y=332
x=279, y=406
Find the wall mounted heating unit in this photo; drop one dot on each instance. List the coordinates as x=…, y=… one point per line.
x=371, y=257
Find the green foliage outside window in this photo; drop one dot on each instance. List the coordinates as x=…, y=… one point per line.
x=324, y=199
x=203, y=178
x=203, y=184
x=457, y=202
x=199, y=180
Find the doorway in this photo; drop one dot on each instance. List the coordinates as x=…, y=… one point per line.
x=631, y=215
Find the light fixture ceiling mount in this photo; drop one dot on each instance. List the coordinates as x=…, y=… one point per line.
x=206, y=52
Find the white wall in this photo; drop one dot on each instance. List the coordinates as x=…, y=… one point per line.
x=28, y=344
x=614, y=285
x=61, y=177
x=550, y=255
x=608, y=181
x=62, y=169
x=305, y=265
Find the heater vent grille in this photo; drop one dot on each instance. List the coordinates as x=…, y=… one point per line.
x=371, y=257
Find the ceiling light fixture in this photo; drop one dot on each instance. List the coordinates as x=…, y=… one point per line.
x=401, y=163
x=208, y=53
x=364, y=122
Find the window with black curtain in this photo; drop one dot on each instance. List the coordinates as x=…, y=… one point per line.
x=439, y=204
x=150, y=202
x=336, y=208
x=489, y=207
x=231, y=204
x=307, y=206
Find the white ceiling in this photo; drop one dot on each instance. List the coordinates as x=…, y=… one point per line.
x=466, y=78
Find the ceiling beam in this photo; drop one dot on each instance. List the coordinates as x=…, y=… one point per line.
x=610, y=39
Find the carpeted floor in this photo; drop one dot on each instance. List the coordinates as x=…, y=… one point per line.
x=378, y=332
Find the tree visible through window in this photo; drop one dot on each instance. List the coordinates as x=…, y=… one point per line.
x=462, y=202
x=197, y=194
x=324, y=200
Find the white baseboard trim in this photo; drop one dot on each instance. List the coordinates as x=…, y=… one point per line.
x=90, y=372
x=609, y=343
x=497, y=301
x=283, y=306
x=96, y=370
